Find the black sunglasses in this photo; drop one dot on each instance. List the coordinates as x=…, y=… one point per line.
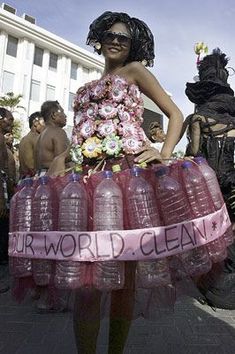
x=123, y=39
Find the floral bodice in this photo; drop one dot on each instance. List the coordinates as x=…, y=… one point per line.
x=107, y=119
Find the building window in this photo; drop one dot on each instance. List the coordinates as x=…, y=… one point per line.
x=53, y=61
x=35, y=90
x=12, y=45
x=7, y=82
x=74, y=71
x=38, y=56
x=71, y=99
x=86, y=72
x=25, y=86
x=50, y=95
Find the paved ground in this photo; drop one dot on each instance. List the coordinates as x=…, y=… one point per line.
x=193, y=328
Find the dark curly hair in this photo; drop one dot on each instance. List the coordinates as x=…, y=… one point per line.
x=142, y=43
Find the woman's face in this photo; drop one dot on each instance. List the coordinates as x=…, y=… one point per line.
x=116, y=43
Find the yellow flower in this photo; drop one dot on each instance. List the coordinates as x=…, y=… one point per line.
x=200, y=47
x=92, y=147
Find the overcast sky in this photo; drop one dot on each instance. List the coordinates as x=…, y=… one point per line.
x=176, y=25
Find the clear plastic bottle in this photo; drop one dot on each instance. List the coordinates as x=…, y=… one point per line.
x=143, y=213
x=201, y=204
x=215, y=192
x=175, y=209
x=43, y=219
x=20, y=220
x=72, y=217
x=108, y=215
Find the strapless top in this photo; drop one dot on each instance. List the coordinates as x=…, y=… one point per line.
x=107, y=119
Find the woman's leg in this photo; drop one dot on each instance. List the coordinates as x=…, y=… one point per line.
x=86, y=320
x=122, y=305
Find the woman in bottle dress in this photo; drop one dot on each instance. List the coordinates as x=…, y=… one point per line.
x=107, y=124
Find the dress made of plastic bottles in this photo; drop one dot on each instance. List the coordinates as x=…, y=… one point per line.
x=43, y=219
x=20, y=220
x=72, y=217
x=215, y=192
x=201, y=204
x=108, y=215
x=175, y=209
x=143, y=213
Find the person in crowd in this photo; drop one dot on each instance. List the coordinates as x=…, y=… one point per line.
x=6, y=190
x=11, y=158
x=9, y=138
x=28, y=143
x=211, y=134
x=53, y=140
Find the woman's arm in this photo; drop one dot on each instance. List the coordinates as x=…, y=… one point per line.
x=195, y=137
x=149, y=85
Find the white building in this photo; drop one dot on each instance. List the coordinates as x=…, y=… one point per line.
x=42, y=66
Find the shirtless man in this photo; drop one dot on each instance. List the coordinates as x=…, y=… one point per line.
x=6, y=125
x=53, y=140
x=28, y=145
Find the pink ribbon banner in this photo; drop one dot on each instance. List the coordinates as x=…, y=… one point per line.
x=139, y=244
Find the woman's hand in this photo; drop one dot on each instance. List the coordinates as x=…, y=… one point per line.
x=148, y=154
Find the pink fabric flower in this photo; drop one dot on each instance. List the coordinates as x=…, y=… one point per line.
x=134, y=92
x=82, y=97
x=123, y=114
x=99, y=90
x=107, y=109
x=76, y=136
x=78, y=117
x=129, y=129
x=117, y=93
x=87, y=128
x=118, y=80
x=91, y=111
x=131, y=145
x=107, y=127
x=129, y=102
x=139, y=111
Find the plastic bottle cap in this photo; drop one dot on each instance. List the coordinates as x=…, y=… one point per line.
x=186, y=164
x=43, y=179
x=74, y=177
x=135, y=171
x=116, y=168
x=28, y=182
x=108, y=174
x=161, y=172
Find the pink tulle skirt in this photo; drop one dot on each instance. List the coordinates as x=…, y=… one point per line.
x=133, y=299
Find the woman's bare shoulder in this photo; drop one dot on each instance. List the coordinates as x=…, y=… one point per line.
x=131, y=71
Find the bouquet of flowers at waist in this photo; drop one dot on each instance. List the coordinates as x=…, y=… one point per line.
x=107, y=120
